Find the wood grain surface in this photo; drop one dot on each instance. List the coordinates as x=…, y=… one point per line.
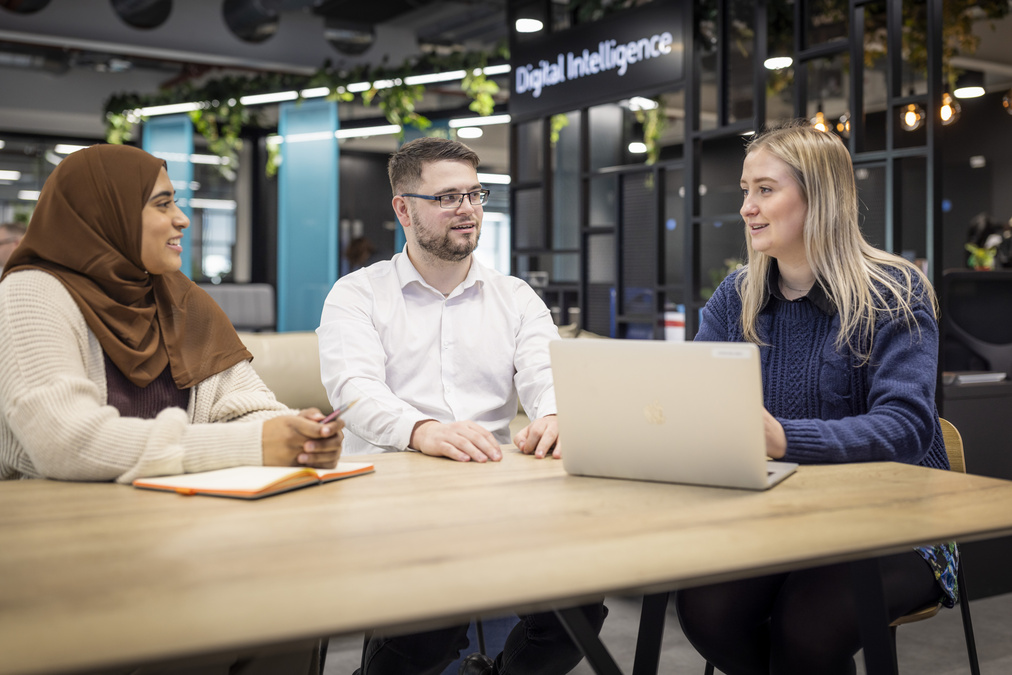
x=98, y=575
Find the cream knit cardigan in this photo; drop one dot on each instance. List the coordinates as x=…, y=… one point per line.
x=54, y=419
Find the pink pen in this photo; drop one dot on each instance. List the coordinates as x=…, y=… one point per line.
x=337, y=413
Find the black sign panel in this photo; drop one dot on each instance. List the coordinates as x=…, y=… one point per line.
x=639, y=50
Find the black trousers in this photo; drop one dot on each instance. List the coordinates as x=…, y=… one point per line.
x=538, y=645
x=800, y=622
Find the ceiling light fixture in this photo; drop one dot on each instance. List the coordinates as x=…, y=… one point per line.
x=950, y=109
x=637, y=148
x=363, y=132
x=969, y=85
x=642, y=103
x=276, y=97
x=317, y=92
x=478, y=121
x=470, y=132
x=28, y=195
x=10, y=175
x=497, y=178
x=911, y=117
x=778, y=62
x=66, y=148
x=529, y=25
x=170, y=109
x=843, y=125
x=448, y=76
x=819, y=121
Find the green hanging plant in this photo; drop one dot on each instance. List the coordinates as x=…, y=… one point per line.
x=398, y=104
x=480, y=89
x=222, y=118
x=653, y=121
x=273, y=159
x=558, y=123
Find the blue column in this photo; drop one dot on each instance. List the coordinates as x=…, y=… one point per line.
x=308, y=248
x=171, y=138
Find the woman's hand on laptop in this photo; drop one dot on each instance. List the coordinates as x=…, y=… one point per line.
x=776, y=439
x=539, y=438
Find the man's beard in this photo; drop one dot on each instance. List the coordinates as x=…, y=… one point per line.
x=440, y=244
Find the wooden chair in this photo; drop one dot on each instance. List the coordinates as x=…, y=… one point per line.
x=954, y=449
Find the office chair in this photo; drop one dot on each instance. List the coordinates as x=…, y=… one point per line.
x=954, y=449
x=479, y=629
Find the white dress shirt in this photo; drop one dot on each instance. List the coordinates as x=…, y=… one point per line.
x=407, y=353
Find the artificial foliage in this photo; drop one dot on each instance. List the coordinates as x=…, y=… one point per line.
x=222, y=116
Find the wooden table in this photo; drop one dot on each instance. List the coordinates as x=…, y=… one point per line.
x=99, y=575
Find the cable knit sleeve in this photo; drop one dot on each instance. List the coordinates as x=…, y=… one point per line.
x=721, y=314
x=56, y=422
x=894, y=416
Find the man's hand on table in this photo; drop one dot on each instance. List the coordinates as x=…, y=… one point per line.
x=462, y=441
x=539, y=438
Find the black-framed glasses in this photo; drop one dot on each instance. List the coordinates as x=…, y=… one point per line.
x=453, y=200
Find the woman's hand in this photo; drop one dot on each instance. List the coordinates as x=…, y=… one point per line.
x=776, y=439
x=300, y=440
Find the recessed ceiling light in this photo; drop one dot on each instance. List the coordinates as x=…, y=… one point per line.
x=529, y=25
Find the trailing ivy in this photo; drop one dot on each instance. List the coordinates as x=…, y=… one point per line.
x=222, y=116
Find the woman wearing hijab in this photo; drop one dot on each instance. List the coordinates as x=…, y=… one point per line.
x=115, y=365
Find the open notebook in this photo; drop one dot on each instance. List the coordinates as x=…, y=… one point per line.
x=251, y=482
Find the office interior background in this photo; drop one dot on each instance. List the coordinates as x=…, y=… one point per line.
x=616, y=196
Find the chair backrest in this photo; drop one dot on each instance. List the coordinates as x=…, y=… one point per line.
x=953, y=445
x=250, y=307
x=289, y=364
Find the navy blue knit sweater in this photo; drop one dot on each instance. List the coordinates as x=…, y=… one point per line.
x=833, y=409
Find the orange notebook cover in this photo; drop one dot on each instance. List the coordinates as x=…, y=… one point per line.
x=251, y=482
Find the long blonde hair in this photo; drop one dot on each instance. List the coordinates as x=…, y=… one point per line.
x=862, y=281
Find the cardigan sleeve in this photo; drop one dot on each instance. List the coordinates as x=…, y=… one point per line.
x=900, y=418
x=53, y=400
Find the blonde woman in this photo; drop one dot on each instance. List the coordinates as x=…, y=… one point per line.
x=849, y=341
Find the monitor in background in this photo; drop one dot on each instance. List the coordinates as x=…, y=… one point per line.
x=976, y=321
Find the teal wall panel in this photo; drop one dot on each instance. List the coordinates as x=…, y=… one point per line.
x=308, y=248
x=171, y=138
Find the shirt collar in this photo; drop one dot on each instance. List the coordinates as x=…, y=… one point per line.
x=408, y=273
x=816, y=295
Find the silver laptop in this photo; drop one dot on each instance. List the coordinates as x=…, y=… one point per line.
x=677, y=412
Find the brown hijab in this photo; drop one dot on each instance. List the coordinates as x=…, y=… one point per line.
x=86, y=231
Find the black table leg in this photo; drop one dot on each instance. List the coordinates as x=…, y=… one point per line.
x=873, y=617
x=586, y=638
x=651, y=633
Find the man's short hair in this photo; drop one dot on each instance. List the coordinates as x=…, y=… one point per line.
x=405, y=165
x=14, y=229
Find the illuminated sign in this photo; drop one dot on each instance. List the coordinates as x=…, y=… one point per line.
x=636, y=51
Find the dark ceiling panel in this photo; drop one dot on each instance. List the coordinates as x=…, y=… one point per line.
x=368, y=12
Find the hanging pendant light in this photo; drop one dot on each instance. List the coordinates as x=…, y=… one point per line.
x=911, y=117
x=819, y=121
x=843, y=125
x=1006, y=101
x=950, y=109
